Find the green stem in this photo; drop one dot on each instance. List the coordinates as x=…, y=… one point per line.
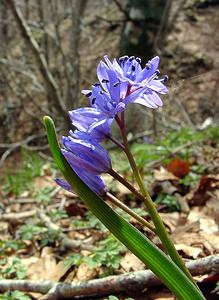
x=121, y=205
x=124, y=182
x=158, y=223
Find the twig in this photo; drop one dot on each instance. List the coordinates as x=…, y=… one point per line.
x=18, y=216
x=110, y=285
x=122, y=9
x=63, y=239
x=11, y=147
x=161, y=34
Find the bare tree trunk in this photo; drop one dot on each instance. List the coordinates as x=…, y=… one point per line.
x=45, y=41
x=27, y=9
x=52, y=87
x=4, y=46
x=139, y=36
x=78, y=8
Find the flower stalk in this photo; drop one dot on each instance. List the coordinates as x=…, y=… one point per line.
x=158, y=223
x=125, y=208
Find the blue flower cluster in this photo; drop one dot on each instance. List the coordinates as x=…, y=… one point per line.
x=121, y=82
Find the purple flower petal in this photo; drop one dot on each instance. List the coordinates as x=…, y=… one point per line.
x=95, y=183
x=158, y=86
x=64, y=184
x=102, y=127
x=149, y=70
x=149, y=99
x=135, y=95
x=82, y=118
x=91, y=157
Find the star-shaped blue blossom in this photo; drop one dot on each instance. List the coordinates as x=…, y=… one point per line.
x=132, y=76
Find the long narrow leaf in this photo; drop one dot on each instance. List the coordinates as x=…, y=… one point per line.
x=135, y=241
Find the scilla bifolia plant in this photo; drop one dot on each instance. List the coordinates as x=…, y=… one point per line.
x=82, y=160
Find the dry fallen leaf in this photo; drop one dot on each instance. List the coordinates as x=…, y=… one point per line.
x=41, y=268
x=178, y=167
x=131, y=263
x=85, y=273
x=162, y=174
x=202, y=193
x=189, y=251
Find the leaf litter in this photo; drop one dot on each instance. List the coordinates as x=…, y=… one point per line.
x=187, y=177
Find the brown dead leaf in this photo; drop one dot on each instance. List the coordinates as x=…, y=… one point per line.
x=153, y=294
x=131, y=263
x=213, y=206
x=58, y=271
x=171, y=220
x=178, y=167
x=4, y=226
x=206, y=223
x=44, y=182
x=85, y=273
x=75, y=209
x=189, y=239
x=41, y=268
x=189, y=251
x=163, y=174
x=201, y=194
x=212, y=241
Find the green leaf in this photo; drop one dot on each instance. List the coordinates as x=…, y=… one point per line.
x=135, y=241
x=16, y=295
x=15, y=269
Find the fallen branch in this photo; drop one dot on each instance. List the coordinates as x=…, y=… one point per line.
x=110, y=285
x=13, y=146
x=63, y=239
x=18, y=216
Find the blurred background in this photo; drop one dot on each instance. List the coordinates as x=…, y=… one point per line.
x=50, y=50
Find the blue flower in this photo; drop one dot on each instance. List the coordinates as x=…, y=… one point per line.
x=94, y=182
x=131, y=76
x=86, y=155
x=88, y=120
x=88, y=159
x=121, y=82
x=105, y=105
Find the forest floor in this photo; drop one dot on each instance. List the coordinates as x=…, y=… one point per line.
x=47, y=233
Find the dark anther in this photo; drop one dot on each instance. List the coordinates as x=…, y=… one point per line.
x=147, y=66
x=131, y=58
x=138, y=60
x=105, y=80
x=125, y=57
x=96, y=84
x=165, y=78
x=133, y=68
x=93, y=100
x=157, y=72
x=116, y=84
x=88, y=94
x=101, y=92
